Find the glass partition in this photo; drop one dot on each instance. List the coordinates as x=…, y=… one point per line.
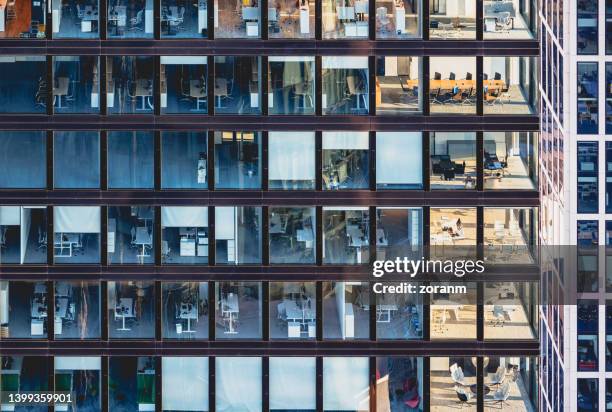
x=238, y=235
x=449, y=91
x=181, y=375
x=183, y=84
x=509, y=85
x=453, y=315
x=291, y=85
x=398, y=19
x=131, y=310
x=452, y=19
x=346, y=384
x=129, y=84
x=237, y=20
x=398, y=316
x=238, y=384
x=75, y=19
x=78, y=308
x=398, y=85
x=184, y=160
x=23, y=19
x=130, y=159
x=510, y=161
x=25, y=373
x=23, y=159
x=346, y=307
x=291, y=19
x=399, y=232
x=237, y=160
x=511, y=311
x=399, y=383
x=237, y=84
x=346, y=160
x=238, y=312
x=345, y=84
x=185, y=310
x=76, y=237
x=183, y=19
x=23, y=234
x=510, y=234
x=130, y=19
x=399, y=160
x=291, y=160
x=587, y=104
x=293, y=384
x=453, y=160
x=292, y=235
x=76, y=84
x=130, y=235
x=293, y=312
x=72, y=150
x=509, y=19
x=30, y=321
x=346, y=235
x=131, y=383
x=345, y=19
x=23, y=84
x=184, y=235
x=81, y=377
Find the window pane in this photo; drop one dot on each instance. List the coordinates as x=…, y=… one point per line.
x=293, y=384
x=291, y=85
x=453, y=315
x=399, y=382
x=71, y=151
x=451, y=381
x=402, y=70
x=587, y=339
x=76, y=84
x=30, y=372
x=237, y=235
x=237, y=20
x=30, y=321
x=399, y=233
x=184, y=375
x=345, y=83
x=131, y=235
x=510, y=235
x=24, y=19
x=131, y=307
x=130, y=160
x=75, y=19
x=185, y=310
x=184, y=235
x=29, y=246
x=398, y=20
x=346, y=384
x=587, y=190
x=587, y=98
x=452, y=19
x=76, y=237
x=586, y=42
x=346, y=308
x=23, y=159
x=237, y=84
x=346, y=160
x=347, y=21
x=291, y=164
x=510, y=160
x=399, y=160
x=287, y=20
x=292, y=235
x=23, y=85
x=130, y=19
x=519, y=380
x=398, y=316
x=609, y=89
x=451, y=92
x=77, y=310
x=587, y=265
x=180, y=21
x=184, y=83
x=453, y=160
x=509, y=85
x=510, y=311
x=184, y=160
x=131, y=383
x=129, y=82
x=453, y=227
x=237, y=160
x=81, y=377
x=238, y=313
x=238, y=384
x=346, y=235
x=588, y=395
x=293, y=310
x=510, y=20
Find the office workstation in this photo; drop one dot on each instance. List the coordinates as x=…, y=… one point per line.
x=453, y=315
x=291, y=84
x=452, y=19
x=398, y=19
x=129, y=19
x=345, y=19
x=237, y=19
x=399, y=316
x=345, y=160
x=346, y=235
x=76, y=236
x=76, y=84
x=183, y=84
x=130, y=235
x=451, y=91
x=291, y=19
x=292, y=235
x=345, y=85
x=184, y=19
x=237, y=84
x=184, y=235
x=454, y=227
x=293, y=310
x=238, y=310
x=23, y=19
x=452, y=160
x=346, y=310
x=509, y=85
x=131, y=310
x=129, y=84
x=238, y=235
x=23, y=310
x=398, y=232
x=509, y=310
x=508, y=19
x=185, y=310
x=509, y=234
x=398, y=86
x=75, y=19
x=508, y=160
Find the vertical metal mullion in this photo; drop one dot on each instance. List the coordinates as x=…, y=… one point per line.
x=265, y=138
x=264, y=85
x=212, y=250
x=157, y=20
x=157, y=158
x=103, y=160
x=264, y=21
x=104, y=382
x=480, y=317
x=425, y=20
x=372, y=20
x=104, y=236
x=319, y=236
x=479, y=86
x=210, y=26
x=212, y=381
x=265, y=236
x=372, y=78
x=265, y=383
x=426, y=383
x=372, y=239
x=211, y=310
x=102, y=7
x=479, y=226
x=318, y=77
x=372, y=160
x=50, y=311
x=157, y=230
x=479, y=161
x=479, y=19
x=211, y=159
x=158, y=312
x=104, y=311
x=318, y=160
x=158, y=381
x=425, y=88
x=50, y=166
x=318, y=20
x=157, y=81
x=50, y=235
x=372, y=376
x=319, y=307
x=480, y=384
x=265, y=311
x=426, y=163
x=102, y=79
x=210, y=81
x=319, y=382
x=49, y=89
x=372, y=313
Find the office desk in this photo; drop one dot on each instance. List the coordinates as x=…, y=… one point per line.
x=197, y=90
x=60, y=88
x=144, y=89
x=90, y=14
x=143, y=239
x=187, y=247
x=229, y=306
x=306, y=236
x=65, y=241
x=119, y=17
x=188, y=311
x=124, y=310
x=446, y=84
x=145, y=213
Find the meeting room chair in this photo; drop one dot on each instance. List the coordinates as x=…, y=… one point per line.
x=468, y=76
x=303, y=95
x=457, y=374
x=437, y=76
x=497, y=76
x=499, y=376
x=221, y=91
x=463, y=396
x=502, y=394
x=451, y=76
x=357, y=88
x=135, y=21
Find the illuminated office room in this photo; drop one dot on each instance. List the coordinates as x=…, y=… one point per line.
x=345, y=19
x=23, y=19
x=75, y=19
x=291, y=19
x=76, y=84
x=452, y=19
x=509, y=85
x=237, y=19
x=129, y=84
x=345, y=85
x=509, y=19
x=237, y=85
x=398, y=19
x=185, y=310
x=238, y=235
x=453, y=160
x=293, y=310
x=291, y=85
x=451, y=90
x=346, y=308
x=184, y=235
x=184, y=19
x=398, y=85
x=346, y=235
x=131, y=310
x=130, y=19
x=510, y=161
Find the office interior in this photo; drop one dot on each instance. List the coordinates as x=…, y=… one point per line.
x=452, y=19
x=183, y=84
x=398, y=232
x=397, y=85
x=509, y=19
x=76, y=234
x=346, y=160
x=130, y=235
x=291, y=160
x=399, y=383
x=291, y=85
x=238, y=235
x=130, y=160
x=131, y=383
x=288, y=19
x=452, y=160
x=185, y=310
x=237, y=19
x=237, y=160
x=510, y=234
x=510, y=161
x=75, y=19
x=453, y=315
x=25, y=19
x=346, y=308
x=237, y=85
x=23, y=234
x=184, y=235
x=292, y=235
x=81, y=377
x=509, y=310
x=451, y=91
x=129, y=84
x=184, y=160
x=25, y=373
x=130, y=19
x=509, y=85
x=587, y=101
x=399, y=316
x=346, y=19
x=293, y=312
x=346, y=235
x=238, y=311
x=77, y=310
x=452, y=232
x=131, y=310
x=76, y=84
x=345, y=88
x=399, y=160
x=23, y=84
x=398, y=19
x=184, y=19
x=587, y=338
x=72, y=150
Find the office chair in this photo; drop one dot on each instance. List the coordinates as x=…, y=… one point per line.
x=165, y=251
x=485, y=76
x=42, y=238
x=135, y=21
x=451, y=76
x=221, y=92
x=302, y=93
x=463, y=396
x=357, y=88
x=468, y=76
x=437, y=76
x=497, y=76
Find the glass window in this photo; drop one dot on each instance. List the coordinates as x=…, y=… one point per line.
x=453, y=160
x=23, y=159
x=237, y=20
x=608, y=336
x=452, y=227
x=398, y=316
x=129, y=83
x=76, y=234
x=185, y=310
x=23, y=84
x=130, y=160
x=451, y=92
x=76, y=160
x=238, y=312
x=291, y=84
x=291, y=20
x=131, y=310
x=237, y=160
x=23, y=310
x=81, y=377
x=293, y=311
x=513, y=19
x=588, y=188
x=292, y=235
x=291, y=160
x=237, y=84
x=184, y=235
x=509, y=85
x=346, y=235
x=23, y=19
x=587, y=98
x=346, y=160
x=184, y=375
x=510, y=161
x=453, y=315
x=23, y=234
x=587, y=279
x=25, y=373
x=238, y=384
x=130, y=19
x=586, y=41
x=588, y=395
x=609, y=89
x=293, y=384
x=346, y=384
x=453, y=383
x=75, y=19
x=510, y=311
x=404, y=71
x=184, y=160
x=347, y=19
x=513, y=379
x=510, y=234
x=399, y=160
x=183, y=84
x=237, y=235
x=131, y=383
x=179, y=20
x=588, y=327
x=452, y=19
x=398, y=232
x=130, y=235
x=399, y=383
x=76, y=84
x=346, y=310
x=398, y=20
x=77, y=310
x=345, y=82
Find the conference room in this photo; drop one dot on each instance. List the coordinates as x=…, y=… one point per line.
x=509, y=19
x=345, y=20
x=399, y=316
x=185, y=234
x=237, y=160
x=184, y=19
x=129, y=84
x=76, y=84
x=237, y=84
x=238, y=312
x=398, y=85
x=398, y=19
x=346, y=159
x=130, y=235
x=293, y=312
x=23, y=234
x=346, y=235
x=291, y=19
x=130, y=19
x=291, y=85
x=23, y=19
x=23, y=84
x=346, y=310
x=131, y=310
x=345, y=87
x=398, y=233
x=184, y=84
x=452, y=157
x=22, y=373
x=452, y=91
x=510, y=161
x=130, y=159
x=23, y=310
x=453, y=315
x=510, y=235
x=81, y=377
x=292, y=235
x=510, y=310
x=452, y=19
x=132, y=383
x=77, y=310
x=185, y=310
x=75, y=19
x=237, y=19
x=76, y=234
x=509, y=85
x=238, y=235
x=291, y=160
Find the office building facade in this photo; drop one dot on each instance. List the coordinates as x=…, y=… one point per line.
x=192, y=194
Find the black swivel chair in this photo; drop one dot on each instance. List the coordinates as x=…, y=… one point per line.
x=485, y=76
x=497, y=76
x=451, y=76
x=437, y=76
x=468, y=76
